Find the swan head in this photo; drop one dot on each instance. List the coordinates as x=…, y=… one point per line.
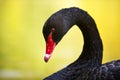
x=54, y=29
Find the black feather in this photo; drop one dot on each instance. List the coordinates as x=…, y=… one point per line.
x=89, y=65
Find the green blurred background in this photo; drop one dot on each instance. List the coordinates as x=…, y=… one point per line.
x=22, y=45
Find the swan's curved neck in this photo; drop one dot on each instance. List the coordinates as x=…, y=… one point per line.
x=92, y=50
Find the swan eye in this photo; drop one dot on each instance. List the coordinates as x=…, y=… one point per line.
x=53, y=30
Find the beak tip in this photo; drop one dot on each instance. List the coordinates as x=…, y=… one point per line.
x=46, y=61
x=47, y=57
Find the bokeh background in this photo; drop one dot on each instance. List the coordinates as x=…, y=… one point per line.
x=22, y=45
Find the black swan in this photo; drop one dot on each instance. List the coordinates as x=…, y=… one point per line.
x=89, y=65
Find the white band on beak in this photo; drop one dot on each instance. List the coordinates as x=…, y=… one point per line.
x=47, y=55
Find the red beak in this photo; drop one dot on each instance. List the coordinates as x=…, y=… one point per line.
x=50, y=45
x=49, y=49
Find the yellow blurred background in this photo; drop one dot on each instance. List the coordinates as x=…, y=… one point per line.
x=22, y=45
